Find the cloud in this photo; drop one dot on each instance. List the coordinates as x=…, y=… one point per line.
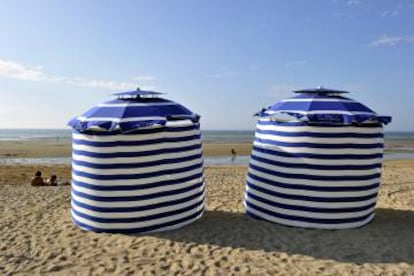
x=15, y=70
x=386, y=40
x=389, y=13
x=223, y=74
x=296, y=63
x=353, y=2
x=144, y=78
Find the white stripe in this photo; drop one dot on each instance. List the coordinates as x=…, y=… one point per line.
x=140, y=159
x=135, y=137
x=137, y=214
x=319, y=100
x=314, y=172
x=136, y=203
x=314, y=161
x=308, y=214
x=140, y=181
x=135, y=104
x=306, y=203
x=318, y=183
x=309, y=224
x=137, y=192
x=318, y=140
x=305, y=192
x=180, y=123
x=314, y=129
x=130, y=149
x=137, y=170
x=136, y=224
x=341, y=112
x=176, y=226
x=317, y=150
x=120, y=120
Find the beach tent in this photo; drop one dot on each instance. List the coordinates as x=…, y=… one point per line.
x=316, y=161
x=137, y=165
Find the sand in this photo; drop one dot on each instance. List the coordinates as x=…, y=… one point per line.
x=37, y=236
x=41, y=149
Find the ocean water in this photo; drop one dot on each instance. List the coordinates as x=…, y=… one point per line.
x=209, y=136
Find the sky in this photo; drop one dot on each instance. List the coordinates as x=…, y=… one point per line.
x=224, y=60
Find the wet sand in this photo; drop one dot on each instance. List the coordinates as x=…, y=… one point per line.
x=37, y=236
x=39, y=149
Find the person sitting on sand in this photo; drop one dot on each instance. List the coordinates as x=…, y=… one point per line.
x=52, y=181
x=37, y=179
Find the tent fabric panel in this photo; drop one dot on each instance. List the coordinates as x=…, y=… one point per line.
x=313, y=176
x=138, y=182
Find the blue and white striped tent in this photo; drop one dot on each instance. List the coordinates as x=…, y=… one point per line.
x=137, y=165
x=316, y=162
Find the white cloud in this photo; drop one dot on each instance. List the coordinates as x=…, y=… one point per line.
x=223, y=74
x=296, y=63
x=353, y=2
x=386, y=40
x=144, y=78
x=15, y=70
x=389, y=13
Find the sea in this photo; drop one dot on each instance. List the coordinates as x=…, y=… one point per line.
x=208, y=136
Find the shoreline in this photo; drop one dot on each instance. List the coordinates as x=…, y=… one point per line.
x=52, y=149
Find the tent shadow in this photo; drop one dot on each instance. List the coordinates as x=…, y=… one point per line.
x=388, y=239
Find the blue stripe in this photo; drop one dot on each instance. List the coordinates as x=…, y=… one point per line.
x=141, y=197
x=317, y=155
x=276, y=123
x=321, y=145
x=137, y=165
x=137, y=176
x=141, y=229
x=136, y=111
x=317, y=177
x=140, y=208
x=316, y=167
x=321, y=106
x=312, y=198
x=310, y=209
x=139, y=186
x=195, y=126
x=304, y=219
x=137, y=143
x=321, y=134
x=137, y=154
x=139, y=219
x=313, y=188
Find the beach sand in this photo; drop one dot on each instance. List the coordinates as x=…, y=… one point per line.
x=37, y=236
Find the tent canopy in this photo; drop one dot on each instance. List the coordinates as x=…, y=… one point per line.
x=132, y=110
x=323, y=105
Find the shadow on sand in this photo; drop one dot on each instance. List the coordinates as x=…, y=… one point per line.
x=388, y=239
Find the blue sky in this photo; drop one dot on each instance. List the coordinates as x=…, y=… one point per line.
x=223, y=59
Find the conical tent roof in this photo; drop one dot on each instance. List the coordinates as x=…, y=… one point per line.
x=131, y=111
x=323, y=105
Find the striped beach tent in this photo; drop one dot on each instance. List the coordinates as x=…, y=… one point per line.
x=137, y=165
x=316, y=161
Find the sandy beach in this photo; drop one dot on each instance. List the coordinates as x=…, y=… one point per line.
x=37, y=236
